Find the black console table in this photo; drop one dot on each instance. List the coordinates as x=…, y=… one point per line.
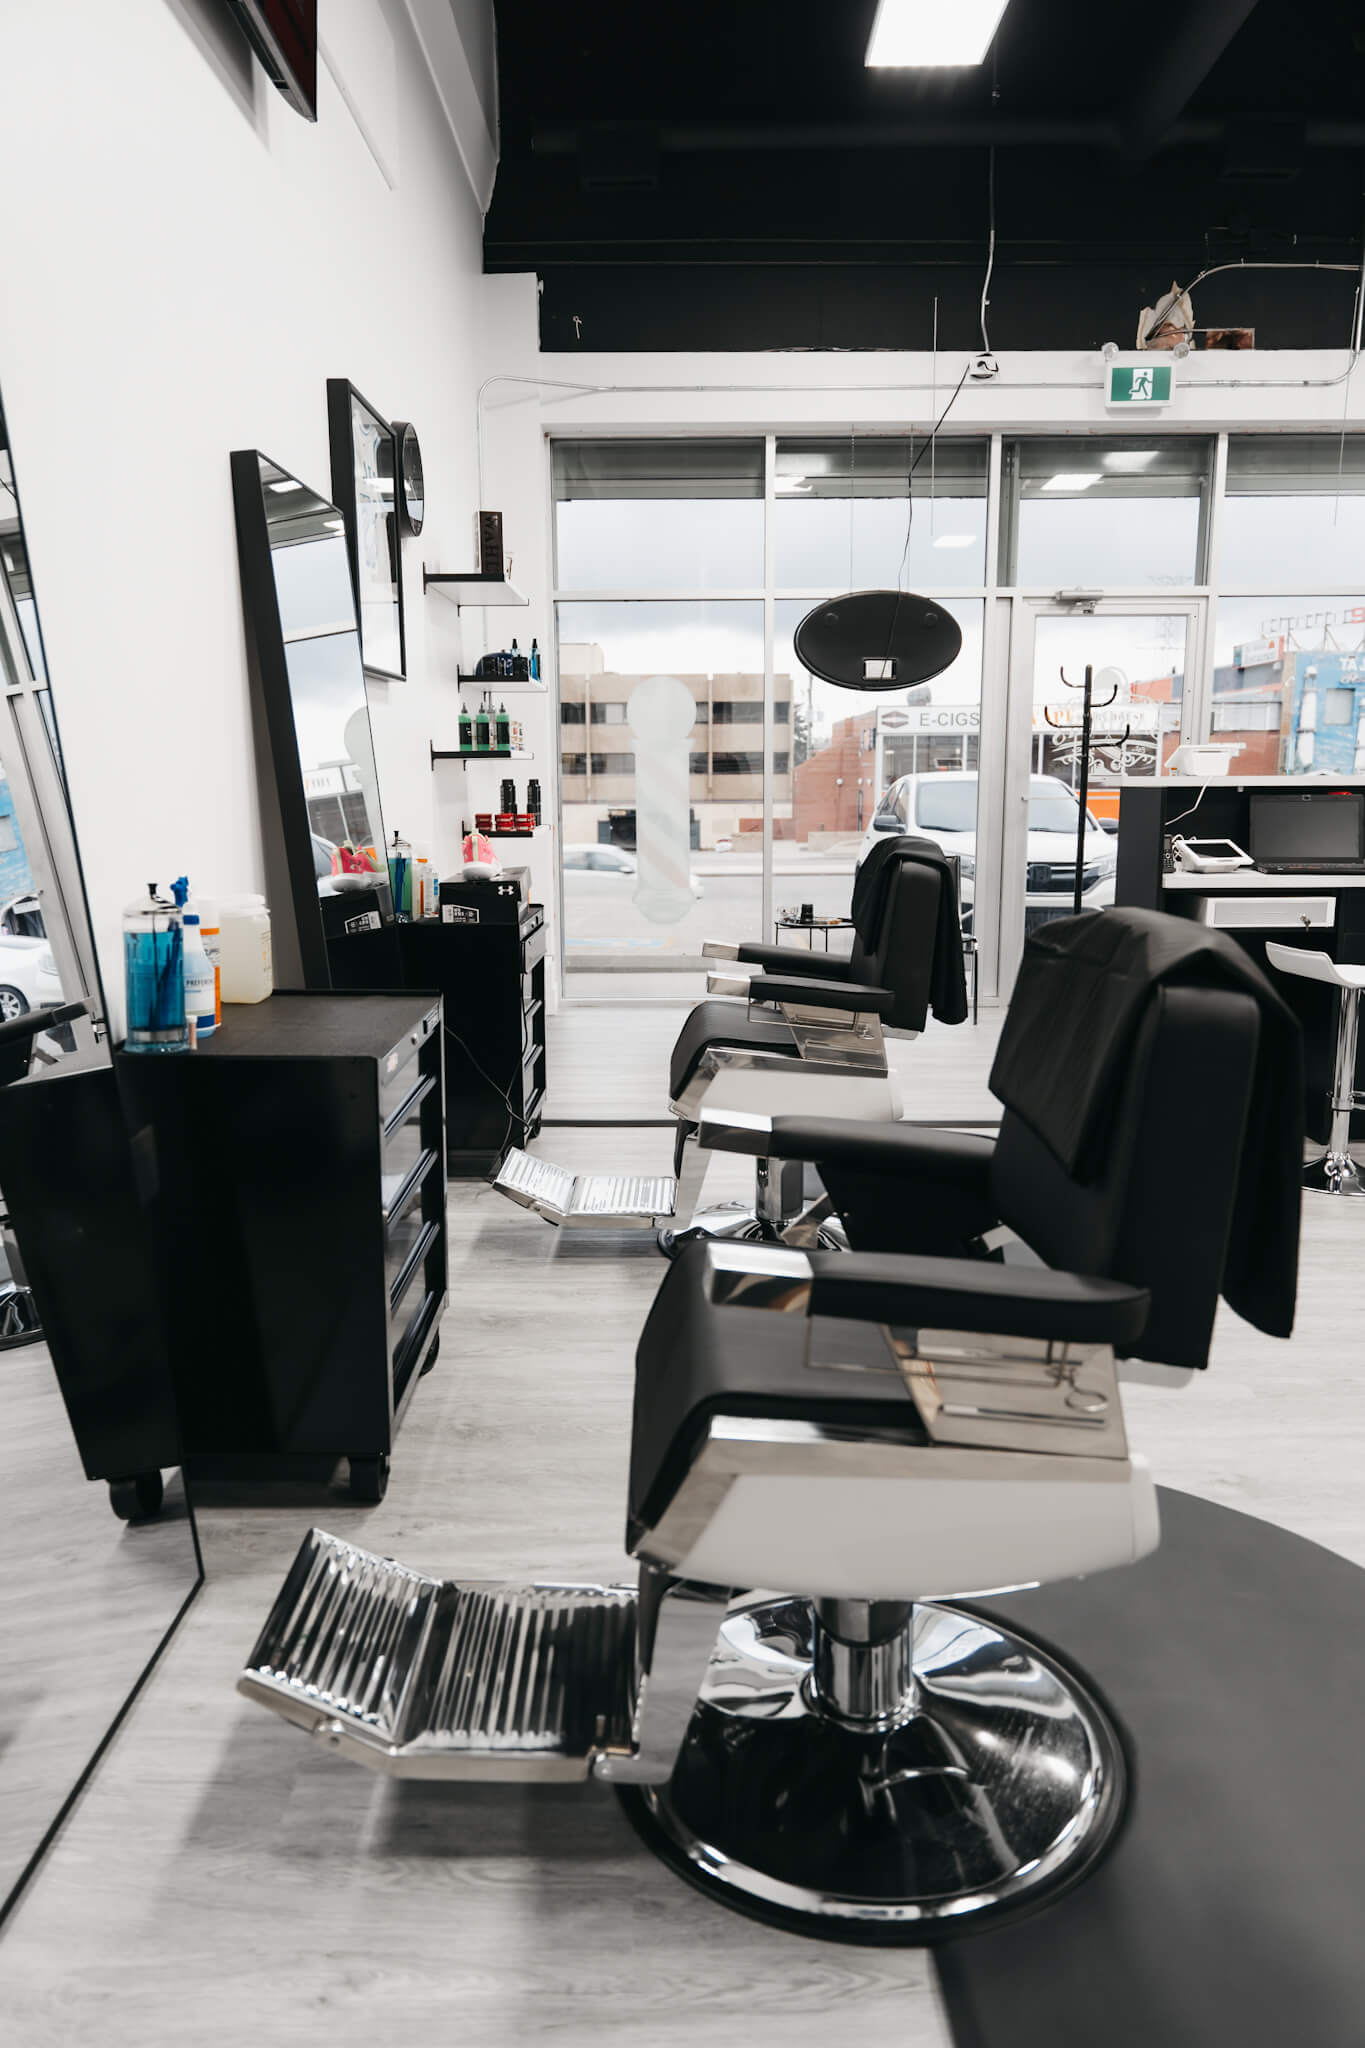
x=299, y=1194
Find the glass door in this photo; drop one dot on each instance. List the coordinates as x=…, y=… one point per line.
x=1146, y=656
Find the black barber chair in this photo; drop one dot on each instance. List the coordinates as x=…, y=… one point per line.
x=808, y=1037
x=845, y=1752
x=811, y=1040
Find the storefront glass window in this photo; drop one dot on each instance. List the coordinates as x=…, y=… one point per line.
x=658, y=515
x=1295, y=510
x=1085, y=511
x=1289, y=684
x=866, y=511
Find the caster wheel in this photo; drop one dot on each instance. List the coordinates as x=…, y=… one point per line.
x=667, y=1241
x=370, y=1478
x=431, y=1359
x=136, y=1499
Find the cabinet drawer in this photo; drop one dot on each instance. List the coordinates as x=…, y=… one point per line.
x=420, y=1234
x=1268, y=913
x=400, y=1074
x=410, y=1334
x=404, y=1149
x=407, y=1223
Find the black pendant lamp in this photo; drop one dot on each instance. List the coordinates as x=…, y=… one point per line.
x=878, y=640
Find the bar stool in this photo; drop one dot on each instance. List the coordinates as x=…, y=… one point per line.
x=1336, y=1172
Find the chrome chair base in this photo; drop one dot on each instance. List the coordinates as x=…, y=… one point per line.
x=1336, y=1173
x=1003, y=1782
x=732, y=1222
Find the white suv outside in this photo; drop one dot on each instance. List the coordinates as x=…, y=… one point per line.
x=942, y=807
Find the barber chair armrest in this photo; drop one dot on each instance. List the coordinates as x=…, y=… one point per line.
x=735, y=1130
x=28, y=1025
x=848, y=997
x=959, y=1159
x=797, y=960
x=964, y=1294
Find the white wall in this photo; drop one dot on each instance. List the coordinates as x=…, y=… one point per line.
x=186, y=261
x=534, y=396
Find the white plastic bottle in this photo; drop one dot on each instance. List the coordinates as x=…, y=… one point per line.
x=245, y=961
x=200, y=1003
x=210, y=934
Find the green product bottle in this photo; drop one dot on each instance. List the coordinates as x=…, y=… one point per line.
x=466, y=731
x=482, y=722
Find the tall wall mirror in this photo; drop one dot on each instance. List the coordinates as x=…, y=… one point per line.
x=321, y=821
x=98, y=1551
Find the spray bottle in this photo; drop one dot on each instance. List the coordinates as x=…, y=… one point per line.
x=200, y=1006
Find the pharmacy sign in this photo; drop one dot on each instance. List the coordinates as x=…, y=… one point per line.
x=1140, y=384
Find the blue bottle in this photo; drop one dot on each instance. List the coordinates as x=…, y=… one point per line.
x=154, y=976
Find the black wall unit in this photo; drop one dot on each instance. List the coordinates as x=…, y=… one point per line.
x=301, y=1197
x=73, y=1186
x=491, y=978
x=1145, y=816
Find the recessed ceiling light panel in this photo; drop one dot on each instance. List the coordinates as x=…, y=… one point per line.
x=1072, y=480
x=955, y=540
x=910, y=34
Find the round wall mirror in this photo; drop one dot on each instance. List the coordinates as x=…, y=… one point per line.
x=411, y=487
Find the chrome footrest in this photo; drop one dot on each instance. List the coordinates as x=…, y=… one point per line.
x=603, y=1201
x=438, y=1678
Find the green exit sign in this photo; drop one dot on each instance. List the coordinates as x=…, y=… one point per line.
x=1140, y=383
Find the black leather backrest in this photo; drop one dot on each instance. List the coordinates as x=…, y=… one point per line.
x=902, y=955
x=1157, y=1209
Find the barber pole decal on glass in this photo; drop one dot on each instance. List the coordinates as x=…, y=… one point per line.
x=662, y=712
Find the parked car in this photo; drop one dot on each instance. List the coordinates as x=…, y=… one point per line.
x=942, y=807
x=28, y=976
x=581, y=861
x=23, y=917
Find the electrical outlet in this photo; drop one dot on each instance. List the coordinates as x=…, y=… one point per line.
x=983, y=366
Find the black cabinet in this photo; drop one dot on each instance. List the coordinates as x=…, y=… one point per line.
x=73, y=1186
x=491, y=978
x=299, y=1197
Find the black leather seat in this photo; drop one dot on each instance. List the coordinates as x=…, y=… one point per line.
x=724, y=1022
x=1208, y=1045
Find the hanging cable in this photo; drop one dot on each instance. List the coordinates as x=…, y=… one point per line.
x=990, y=249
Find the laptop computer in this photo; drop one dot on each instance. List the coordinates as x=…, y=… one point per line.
x=1308, y=831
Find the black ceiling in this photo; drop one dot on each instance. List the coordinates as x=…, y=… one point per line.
x=727, y=174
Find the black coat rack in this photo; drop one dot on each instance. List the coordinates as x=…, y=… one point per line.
x=1083, y=793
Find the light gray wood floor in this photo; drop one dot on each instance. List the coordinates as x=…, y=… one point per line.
x=84, y=1601
x=223, y=1878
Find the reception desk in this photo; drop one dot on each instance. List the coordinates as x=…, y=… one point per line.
x=1324, y=912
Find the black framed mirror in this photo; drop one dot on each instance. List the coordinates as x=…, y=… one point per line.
x=88, y=1597
x=365, y=489
x=321, y=820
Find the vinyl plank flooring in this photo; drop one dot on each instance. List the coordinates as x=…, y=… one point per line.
x=74, y=1579
x=221, y=1868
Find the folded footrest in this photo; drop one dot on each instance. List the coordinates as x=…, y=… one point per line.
x=434, y=1678
x=585, y=1200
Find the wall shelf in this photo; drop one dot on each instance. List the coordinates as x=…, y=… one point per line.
x=482, y=754
x=472, y=586
x=500, y=685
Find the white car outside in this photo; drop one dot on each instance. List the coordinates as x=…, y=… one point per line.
x=582, y=861
x=942, y=807
x=28, y=976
